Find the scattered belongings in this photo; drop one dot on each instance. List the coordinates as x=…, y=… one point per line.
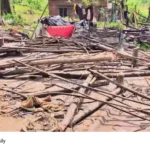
x=82, y=83
x=57, y=27
x=12, y=36
x=55, y=21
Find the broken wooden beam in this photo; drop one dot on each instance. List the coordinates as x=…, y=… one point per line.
x=119, y=85
x=73, y=107
x=135, y=54
x=88, y=58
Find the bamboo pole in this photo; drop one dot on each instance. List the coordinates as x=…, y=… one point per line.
x=120, y=85
x=112, y=104
x=73, y=107
x=72, y=60
x=38, y=22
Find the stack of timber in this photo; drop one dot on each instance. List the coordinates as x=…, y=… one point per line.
x=85, y=83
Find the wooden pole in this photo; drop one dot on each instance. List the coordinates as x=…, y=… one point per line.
x=72, y=60
x=112, y=104
x=135, y=54
x=73, y=107
x=1, y=41
x=90, y=111
x=120, y=85
x=120, y=78
x=38, y=21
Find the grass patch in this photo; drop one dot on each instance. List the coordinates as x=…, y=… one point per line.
x=30, y=15
x=144, y=46
x=115, y=25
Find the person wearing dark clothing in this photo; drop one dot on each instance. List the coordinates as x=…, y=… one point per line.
x=90, y=10
x=88, y=16
x=89, y=13
x=79, y=12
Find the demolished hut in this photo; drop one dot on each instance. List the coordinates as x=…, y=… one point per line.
x=84, y=82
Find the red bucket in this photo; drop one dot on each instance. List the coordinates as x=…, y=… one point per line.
x=61, y=31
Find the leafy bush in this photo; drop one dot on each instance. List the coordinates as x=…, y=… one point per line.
x=36, y=5
x=33, y=4
x=16, y=19
x=145, y=46
x=110, y=25
x=29, y=1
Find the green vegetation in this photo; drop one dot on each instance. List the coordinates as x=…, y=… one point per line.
x=30, y=10
x=110, y=25
x=141, y=6
x=14, y=19
x=25, y=14
x=33, y=4
x=144, y=46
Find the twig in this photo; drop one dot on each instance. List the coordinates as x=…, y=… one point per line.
x=110, y=103
x=13, y=92
x=73, y=107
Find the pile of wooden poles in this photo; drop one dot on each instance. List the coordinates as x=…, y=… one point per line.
x=81, y=72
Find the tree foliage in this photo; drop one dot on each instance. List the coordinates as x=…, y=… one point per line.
x=87, y=2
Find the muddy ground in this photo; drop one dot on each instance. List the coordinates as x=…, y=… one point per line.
x=106, y=119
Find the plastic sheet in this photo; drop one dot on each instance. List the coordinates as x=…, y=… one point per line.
x=58, y=21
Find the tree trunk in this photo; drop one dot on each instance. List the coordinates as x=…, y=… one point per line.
x=5, y=6
x=148, y=14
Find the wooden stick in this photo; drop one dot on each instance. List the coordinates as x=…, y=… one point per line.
x=120, y=78
x=103, y=47
x=135, y=54
x=126, y=55
x=97, y=58
x=72, y=60
x=58, y=77
x=119, y=85
x=90, y=111
x=110, y=103
x=69, y=81
x=109, y=93
x=12, y=91
x=30, y=50
x=3, y=66
x=73, y=107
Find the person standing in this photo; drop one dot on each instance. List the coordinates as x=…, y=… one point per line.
x=79, y=11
